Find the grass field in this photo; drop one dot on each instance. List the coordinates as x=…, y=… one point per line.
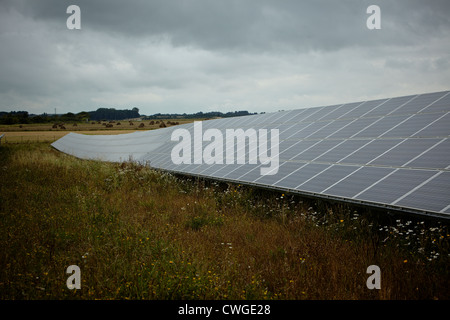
x=137, y=233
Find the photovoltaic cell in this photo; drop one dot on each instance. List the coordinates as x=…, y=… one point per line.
x=327, y=177
x=395, y=185
x=440, y=105
x=291, y=129
x=430, y=195
x=380, y=127
x=316, y=150
x=354, y=128
x=370, y=150
x=329, y=129
x=389, y=153
x=305, y=172
x=359, y=180
x=365, y=107
x=404, y=152
x=419, y=103
x=388, y=107
x=251, y=175
x=411, y=125
x=337, y=154
x=437, y=157
x=224, y=170
x=438, y=128
x=290, y=149
x=303, y=115
x=309, y=130
x=285, y=169
x=320, y=114
x=342, y=111
x=238, y=172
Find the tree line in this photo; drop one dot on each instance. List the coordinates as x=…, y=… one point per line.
x=23, y=117
x=212, y=114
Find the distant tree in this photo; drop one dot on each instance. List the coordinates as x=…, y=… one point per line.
x=83, y=116
x=14, y=117
x=38, y=119
x=113, y=114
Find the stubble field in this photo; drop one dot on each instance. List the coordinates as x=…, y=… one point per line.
x=49, y=132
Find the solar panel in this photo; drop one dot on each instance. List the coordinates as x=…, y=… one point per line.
x=390, y=153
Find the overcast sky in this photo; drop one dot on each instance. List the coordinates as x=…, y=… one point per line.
x=175, y=56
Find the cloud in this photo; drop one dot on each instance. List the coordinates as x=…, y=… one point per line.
x=198, y=55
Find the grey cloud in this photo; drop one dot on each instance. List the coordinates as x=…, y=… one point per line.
x=195, y=55
x=255, y=25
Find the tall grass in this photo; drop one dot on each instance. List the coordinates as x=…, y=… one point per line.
x=137, y=233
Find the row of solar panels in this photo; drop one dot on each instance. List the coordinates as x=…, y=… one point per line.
x=393, y=153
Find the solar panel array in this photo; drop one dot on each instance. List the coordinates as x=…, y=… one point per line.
x=392, y=153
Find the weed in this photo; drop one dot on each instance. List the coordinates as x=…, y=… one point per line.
x=138, y=233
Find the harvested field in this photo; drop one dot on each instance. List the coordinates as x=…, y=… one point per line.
x=49, y=136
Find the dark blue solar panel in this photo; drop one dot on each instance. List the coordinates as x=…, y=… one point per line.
x=393, y=153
